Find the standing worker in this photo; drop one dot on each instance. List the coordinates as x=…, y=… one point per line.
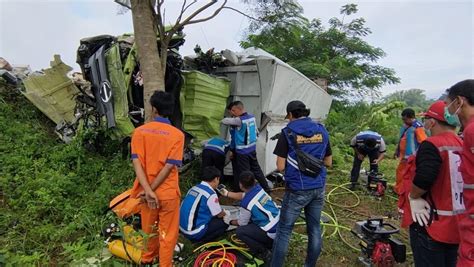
x=214, y=153
x=304, y=189
x=460, y=111
x=434, y=197
x=258, y=216
x=366, y=143
x=411, y=135
x=157, y=150
x=244, y=133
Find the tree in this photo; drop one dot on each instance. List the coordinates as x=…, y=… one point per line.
x=148, y=23
x=414, y=98
x=337, y=53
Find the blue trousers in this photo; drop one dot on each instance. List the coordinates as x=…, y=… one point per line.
x=311, y=201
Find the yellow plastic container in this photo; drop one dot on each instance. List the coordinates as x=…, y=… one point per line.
x=117, y=248
x=133, y=237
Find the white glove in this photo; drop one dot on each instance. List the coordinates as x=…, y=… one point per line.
x=227, y=217
x=223, y=191
x=420, y=210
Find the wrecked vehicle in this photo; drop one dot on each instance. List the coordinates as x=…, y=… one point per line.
x=109, y=92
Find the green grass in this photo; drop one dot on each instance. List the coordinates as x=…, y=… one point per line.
x=53, y=194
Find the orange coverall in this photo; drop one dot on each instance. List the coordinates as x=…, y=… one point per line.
x=155, y=144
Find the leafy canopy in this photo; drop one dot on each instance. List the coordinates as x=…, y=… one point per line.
x=337, y=53
x=414, y=98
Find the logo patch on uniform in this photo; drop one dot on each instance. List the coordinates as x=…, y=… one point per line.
x=317, y=138
x=193, y=193
x=264, y=200
x=216, y=200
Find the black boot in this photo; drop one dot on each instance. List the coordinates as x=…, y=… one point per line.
x=352, y=187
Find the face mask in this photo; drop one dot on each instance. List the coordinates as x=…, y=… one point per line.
x=427, y=128
x=452, y=119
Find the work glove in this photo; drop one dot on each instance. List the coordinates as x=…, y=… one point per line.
x=221, y=189
x=420, y=210
x=227, y=217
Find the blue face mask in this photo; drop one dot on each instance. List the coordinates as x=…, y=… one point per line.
x=452, y=119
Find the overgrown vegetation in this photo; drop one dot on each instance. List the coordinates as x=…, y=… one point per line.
x=53, y=194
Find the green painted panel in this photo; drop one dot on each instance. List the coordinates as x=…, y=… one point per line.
x=205, y=99
x=119, y=91
x=53, y=92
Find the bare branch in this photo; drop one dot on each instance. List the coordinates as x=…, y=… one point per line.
x=164, y=17
x=181, y=12
x=207, y=18
x=186, y=8
x=160, y=18
x=242, y=13
x=188, y=19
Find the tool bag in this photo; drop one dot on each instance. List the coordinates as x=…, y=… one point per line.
x=124, y=205
x=308, y=164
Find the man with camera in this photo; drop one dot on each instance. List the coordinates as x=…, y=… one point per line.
x=303, y=150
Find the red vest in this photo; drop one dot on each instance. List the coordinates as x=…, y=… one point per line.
x=444, y=196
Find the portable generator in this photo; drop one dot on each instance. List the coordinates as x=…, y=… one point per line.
x=378, y=248
x=376, y=183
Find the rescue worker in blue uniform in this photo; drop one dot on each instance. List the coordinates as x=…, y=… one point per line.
x=201, y=216
x=258, y=218
x=243, y=145
x=214, y=153
x=303, y=192
x=366, y=143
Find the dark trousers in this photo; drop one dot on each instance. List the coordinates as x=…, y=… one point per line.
x=213, y=158
x=216, y=229
x=248, y=162
x=255, y=238
x=428, y=252
x=373, y=155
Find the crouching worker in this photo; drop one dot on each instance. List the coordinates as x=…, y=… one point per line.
x=201, y=216
x=214, y=153
x=258, y=217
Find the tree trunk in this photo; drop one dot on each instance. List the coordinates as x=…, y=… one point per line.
x=145, y=39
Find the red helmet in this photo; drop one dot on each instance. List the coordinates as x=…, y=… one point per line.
x=436, y=111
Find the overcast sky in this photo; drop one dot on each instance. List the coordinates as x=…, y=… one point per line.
x=429, y=43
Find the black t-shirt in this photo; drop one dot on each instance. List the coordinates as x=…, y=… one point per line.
x=428, y=163
x=281, y=148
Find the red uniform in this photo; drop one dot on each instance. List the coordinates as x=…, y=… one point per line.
x=155, y=144
x=466, y=221
x=444, y=195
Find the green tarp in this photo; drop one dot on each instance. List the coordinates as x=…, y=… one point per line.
x=203, y=102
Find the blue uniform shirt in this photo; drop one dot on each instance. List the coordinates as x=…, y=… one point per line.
x=312, y=138
x=244, y=137
x=217, y=144
x=199, y=206
x=264, y=213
